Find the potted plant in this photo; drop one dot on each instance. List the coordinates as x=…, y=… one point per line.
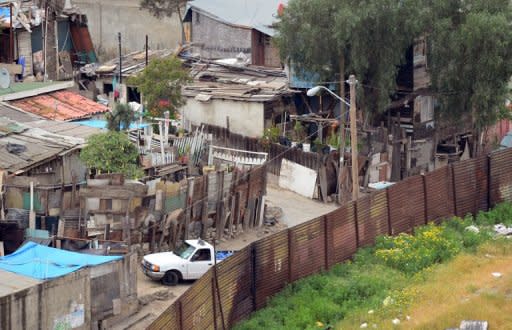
x=270, y=135
x=334, y=141
x=300, y=137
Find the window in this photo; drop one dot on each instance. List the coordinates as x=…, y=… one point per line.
x=202, y=255
x=198, y=18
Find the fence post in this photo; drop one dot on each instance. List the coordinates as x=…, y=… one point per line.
x=253, y=277
x=356, y=219
x=213, y=304
x=290, y=256
x=489, y=185
x=180, y=312
x=425, y=206
x=326, y=243
x=390, y=229
x=455, y=211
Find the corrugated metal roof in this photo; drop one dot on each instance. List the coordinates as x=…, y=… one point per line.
x=133, y=63
x=256, y=14
x=27, y=145
x=15, y=114
x=60, y=105
x=245, y=83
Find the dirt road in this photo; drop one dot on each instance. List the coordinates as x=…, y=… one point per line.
x=296, y=210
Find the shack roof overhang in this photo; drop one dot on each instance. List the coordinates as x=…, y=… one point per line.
x=259, y=15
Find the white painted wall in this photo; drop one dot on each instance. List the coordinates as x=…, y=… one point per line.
x=297, y=178
x=245, y=118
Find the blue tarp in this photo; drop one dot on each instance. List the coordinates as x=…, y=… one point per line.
x=98, y=123
x=42, y=262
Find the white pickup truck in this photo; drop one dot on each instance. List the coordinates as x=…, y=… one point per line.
x=189, y=262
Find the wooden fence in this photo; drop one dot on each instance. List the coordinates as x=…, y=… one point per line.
x=242, y=284
x=276, y=152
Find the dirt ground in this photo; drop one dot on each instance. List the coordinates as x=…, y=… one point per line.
x=154, y=297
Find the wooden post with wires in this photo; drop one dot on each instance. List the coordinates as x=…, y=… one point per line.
x=342, y=129
x=353, y=138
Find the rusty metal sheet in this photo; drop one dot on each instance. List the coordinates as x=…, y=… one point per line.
x=170, y=319
x=471, y=185
x=307, y=248
x=341, y=234
x=440, y=199
x=271, y=264
x=406, y=205
x=197, y=304
x=234, y=277
x=501, y=176
x=372, y=217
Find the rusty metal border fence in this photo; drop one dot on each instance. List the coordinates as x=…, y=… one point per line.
x=243, y=283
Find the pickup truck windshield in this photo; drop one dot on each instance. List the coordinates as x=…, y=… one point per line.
x=185, y=250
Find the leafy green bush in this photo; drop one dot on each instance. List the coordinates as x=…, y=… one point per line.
x=501, y=213
x=411, y=254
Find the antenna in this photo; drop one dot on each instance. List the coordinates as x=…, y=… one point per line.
x=5, y=79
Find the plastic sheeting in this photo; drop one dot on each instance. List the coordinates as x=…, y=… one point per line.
x=42, y=262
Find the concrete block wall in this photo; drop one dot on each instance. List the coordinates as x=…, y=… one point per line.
x=218, y=40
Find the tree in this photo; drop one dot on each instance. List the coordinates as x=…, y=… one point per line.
x=111, y=152
x=120, y=118
x=160, y=84
x=366, y=38
x=161, y=8
x=470, y=58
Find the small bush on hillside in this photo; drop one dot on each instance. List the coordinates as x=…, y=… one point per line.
x=411, y=254
x=501, y=213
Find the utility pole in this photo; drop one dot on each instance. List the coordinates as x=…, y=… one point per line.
x=147, y=60
x=353, y=137
x=342, y=128
x=120, y=60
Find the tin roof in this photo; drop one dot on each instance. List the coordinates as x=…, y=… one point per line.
x=255, y=14
x=25, y=145
x=217, y=80
x=60, y=105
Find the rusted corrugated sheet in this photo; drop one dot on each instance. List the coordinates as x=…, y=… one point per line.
x=439, y=187
x=235, y=285
x=197, y=304
x=341, y=234
x=307, y=246
x=372, y=217
x=271, y=263
x=501, y=176
x=471, y=185
x=406, y=205
x=170, y=319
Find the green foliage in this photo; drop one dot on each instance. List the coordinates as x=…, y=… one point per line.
x=501, y=213
x=299, y=131
x=371, y=36
x=377, y=279
x=270, y=135
x=120, y=118
x=469, y=54
x=160, y=83
x=470, y=57
x=111, y=152
x=161, y=8
x=410, y=254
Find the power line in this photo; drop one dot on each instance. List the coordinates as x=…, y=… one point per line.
x=246, y=174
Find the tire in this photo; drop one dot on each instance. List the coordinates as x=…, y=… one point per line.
x=171, y=278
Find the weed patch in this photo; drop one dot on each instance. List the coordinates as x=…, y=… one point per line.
x=381, y=283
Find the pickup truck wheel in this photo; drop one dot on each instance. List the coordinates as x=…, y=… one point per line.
x=171, y=278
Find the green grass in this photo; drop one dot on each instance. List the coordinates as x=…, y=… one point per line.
x=380, y=278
